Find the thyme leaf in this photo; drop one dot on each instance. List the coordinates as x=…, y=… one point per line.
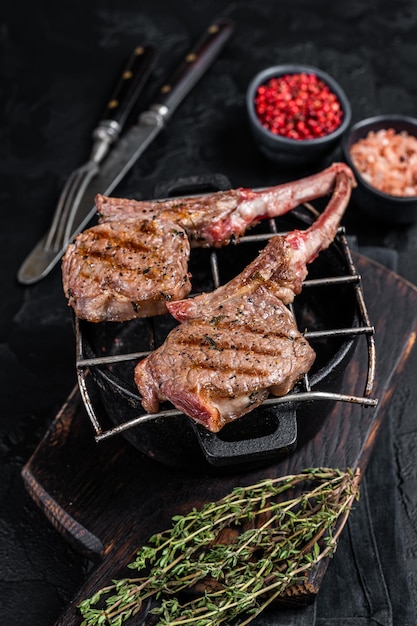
x=279, y=530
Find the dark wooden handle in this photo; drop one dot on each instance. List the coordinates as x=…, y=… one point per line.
x=130, y=85
x=195, y=64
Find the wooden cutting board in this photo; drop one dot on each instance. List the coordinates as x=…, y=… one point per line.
x=107, y=499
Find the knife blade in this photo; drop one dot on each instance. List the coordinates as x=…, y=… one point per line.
x=133, y=143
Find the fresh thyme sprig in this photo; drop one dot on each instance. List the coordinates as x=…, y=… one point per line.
x=243, y=551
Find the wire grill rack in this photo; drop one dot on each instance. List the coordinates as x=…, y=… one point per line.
x=304, y=391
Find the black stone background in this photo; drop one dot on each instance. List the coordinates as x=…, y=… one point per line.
x=58, y=62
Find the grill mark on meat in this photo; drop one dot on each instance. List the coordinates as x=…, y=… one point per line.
x=221, y=342
x=124, y=264
x=114, y=274
x=120, y=252
x=110, y=252
x=122, y=240
x=240, y=369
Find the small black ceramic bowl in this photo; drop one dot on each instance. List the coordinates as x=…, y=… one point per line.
x=370, y=200
x=285, y=150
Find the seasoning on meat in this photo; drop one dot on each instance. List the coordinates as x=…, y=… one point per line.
x=240, y=342
x=387, y=160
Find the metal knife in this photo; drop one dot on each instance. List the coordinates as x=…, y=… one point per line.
x=133, y=143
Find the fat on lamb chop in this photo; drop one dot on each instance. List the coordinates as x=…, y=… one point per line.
x=240, y=343
x=116, y=272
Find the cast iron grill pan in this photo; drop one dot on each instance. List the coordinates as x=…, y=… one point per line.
x=330, y=310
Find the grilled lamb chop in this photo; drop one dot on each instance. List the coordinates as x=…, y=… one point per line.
x=110, y=272
x=219, y=366
x=240, y=343
x=116, y=273
x=218, y=218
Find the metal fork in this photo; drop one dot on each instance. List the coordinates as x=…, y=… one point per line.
x=107, y=132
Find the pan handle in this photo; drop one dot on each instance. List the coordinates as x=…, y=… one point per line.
x=221, y=449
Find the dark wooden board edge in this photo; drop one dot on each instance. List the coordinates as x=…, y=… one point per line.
x=79, y=537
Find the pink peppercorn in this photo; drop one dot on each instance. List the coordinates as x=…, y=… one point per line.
x=298, y=106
